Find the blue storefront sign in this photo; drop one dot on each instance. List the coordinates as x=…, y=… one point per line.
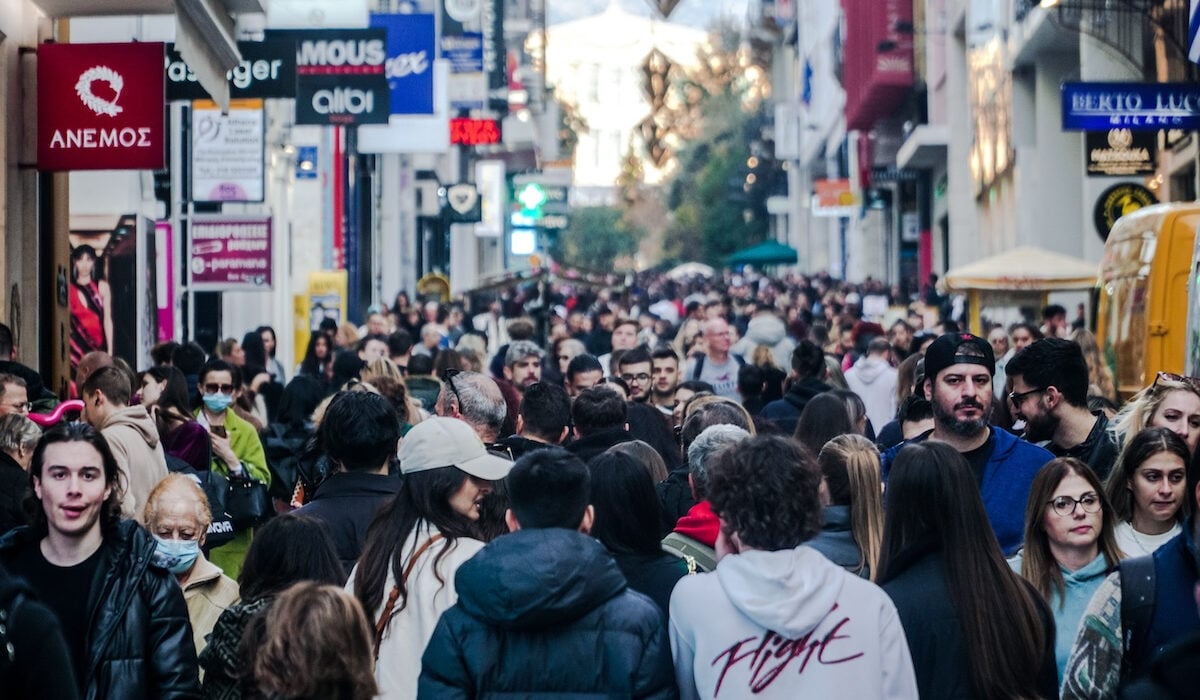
x=1134, y=106
x=411, y=48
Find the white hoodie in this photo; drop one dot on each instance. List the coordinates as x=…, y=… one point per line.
x=787, y=624
x=874, y=380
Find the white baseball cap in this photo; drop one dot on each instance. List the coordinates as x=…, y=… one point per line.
x=438, y=442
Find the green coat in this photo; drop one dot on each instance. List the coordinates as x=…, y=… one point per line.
x=243, y=438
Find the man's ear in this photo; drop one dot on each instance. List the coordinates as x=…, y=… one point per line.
x=520, y=423
x=692, y=486
x=508, y=373
x=562, y=437
x=589, y=517
x=510, y=519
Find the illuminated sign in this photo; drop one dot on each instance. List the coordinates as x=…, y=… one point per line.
x=474, y=132
x=1135, y=106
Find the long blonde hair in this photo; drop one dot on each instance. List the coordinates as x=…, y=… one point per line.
x=850, y=466
x=1099, y=375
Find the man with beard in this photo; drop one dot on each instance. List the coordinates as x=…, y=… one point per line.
x=958, y=380
x=523, y=364
x=1049, y=392
x=664, y=370
x=634, y=370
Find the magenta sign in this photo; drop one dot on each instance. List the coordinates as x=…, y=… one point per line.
x=230, y=253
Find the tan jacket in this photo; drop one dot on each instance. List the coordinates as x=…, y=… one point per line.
x=208, y=593
x=133, y=439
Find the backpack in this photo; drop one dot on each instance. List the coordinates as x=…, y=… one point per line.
x=1137, y=611
x=697, y=555
x=700, y=365
x=13, y=593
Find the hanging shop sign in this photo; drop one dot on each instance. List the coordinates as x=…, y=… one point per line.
x=100, y=107
x=268, y=69
x=227, y=152
x=474, y=132
x=463, y=204
x=340, y=75
x=1135, y=106
x=1117, y=201
x=411, y=48
x=230, y=253
x=1121, y=151
x=832, y=198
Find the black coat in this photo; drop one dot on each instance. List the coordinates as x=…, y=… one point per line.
x=917, y=585
x=785, y=412
x=140, y=641
x=675, y=496
x=347, y=503
x=14, y=484
x=547, y=613
x=589, y=446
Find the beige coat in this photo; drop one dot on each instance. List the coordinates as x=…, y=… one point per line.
x=133, y=439
x=208, y=593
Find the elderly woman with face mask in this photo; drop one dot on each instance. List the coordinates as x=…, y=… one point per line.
x=178, y=516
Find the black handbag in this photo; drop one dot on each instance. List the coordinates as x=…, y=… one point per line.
x=247, y=502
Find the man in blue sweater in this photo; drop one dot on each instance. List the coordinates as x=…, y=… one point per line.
x=958, y=382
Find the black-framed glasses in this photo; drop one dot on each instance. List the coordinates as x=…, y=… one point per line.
x=1172, y=377
x=639, y=378
x=1017, y=397
x=212, y=388
x=1065, y=505
x=448, y=376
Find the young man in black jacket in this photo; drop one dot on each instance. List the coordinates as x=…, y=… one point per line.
x=123, y=615
x=544, y=610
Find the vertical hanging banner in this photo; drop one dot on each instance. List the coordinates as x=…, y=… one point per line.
x=411, y=48
x=495, y=58
x=227, y=152
x=101, y=106
x=340, y=75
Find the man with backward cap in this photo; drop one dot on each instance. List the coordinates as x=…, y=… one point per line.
x=958, y=382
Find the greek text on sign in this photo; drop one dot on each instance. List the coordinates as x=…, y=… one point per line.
x=230, y=253
x=100, y=106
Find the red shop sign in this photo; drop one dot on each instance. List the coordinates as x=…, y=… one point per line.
x=101, y=106
x=474, y=132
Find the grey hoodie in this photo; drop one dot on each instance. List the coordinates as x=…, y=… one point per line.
x=133, y=439
x=766, y=329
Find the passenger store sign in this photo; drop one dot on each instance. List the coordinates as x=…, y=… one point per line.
x=1134, y=106
x=230, y=253
x=101, y=107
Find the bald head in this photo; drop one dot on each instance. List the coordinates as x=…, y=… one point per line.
x=90, y=363
x=476, y=399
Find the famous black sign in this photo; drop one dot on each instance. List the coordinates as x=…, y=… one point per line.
x=1121, y=152
x=268, y=69
x=340, y=75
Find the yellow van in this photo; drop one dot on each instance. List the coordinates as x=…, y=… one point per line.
x=1148, y=274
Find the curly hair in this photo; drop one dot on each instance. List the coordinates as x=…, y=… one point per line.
x=766, y=492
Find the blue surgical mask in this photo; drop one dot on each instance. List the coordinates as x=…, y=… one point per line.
x=217, y=402
x=176, y=556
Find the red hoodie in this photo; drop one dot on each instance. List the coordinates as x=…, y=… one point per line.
x=701, y=524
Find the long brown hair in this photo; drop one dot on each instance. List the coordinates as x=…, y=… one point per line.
x=850, y=465
x=1038, y=565
x=933, y=497
x=315, y=644
x=1140, y=448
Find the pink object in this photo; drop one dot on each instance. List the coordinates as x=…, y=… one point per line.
x=48, y=419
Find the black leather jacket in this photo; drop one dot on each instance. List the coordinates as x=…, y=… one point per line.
x=140, y=642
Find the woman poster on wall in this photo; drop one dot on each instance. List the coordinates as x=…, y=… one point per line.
x=91, y=304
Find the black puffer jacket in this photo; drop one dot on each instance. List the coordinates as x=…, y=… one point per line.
x=140, y=644
x=547, y=613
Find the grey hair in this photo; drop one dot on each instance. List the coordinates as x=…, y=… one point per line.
x=480, y=402
x=576, y=345
x=17, y=431
x=712, y=440
x=521, y=349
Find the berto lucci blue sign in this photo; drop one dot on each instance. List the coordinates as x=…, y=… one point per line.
x=1135, y=106
x=411, y=48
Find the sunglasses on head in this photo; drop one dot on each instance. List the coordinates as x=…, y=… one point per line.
x=1194, y=382
x=214, y=388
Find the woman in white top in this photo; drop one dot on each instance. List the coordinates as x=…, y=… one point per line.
x=405, y=575
x=1147, y=488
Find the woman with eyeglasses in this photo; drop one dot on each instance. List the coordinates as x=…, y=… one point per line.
x=1069, y=544
x=237, y=451
x=1172, y=401
x=1148, y=491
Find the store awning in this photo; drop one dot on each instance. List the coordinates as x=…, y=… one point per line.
x=766, y=253
x=204, y=31
x=1024, y=269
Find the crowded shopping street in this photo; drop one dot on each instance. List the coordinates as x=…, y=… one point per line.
x=671, y=349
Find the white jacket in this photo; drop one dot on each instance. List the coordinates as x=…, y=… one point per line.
x=874, y=380
x=787, y=624
x=410, y=629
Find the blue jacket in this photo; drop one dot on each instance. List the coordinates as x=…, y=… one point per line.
x=1176, y=571
x=1006, y=479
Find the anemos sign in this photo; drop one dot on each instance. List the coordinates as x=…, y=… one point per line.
x=100, y=107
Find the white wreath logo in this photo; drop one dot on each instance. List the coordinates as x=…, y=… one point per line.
x=83, y=88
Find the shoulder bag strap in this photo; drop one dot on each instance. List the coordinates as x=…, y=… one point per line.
x=386, y=616
x=1137, y=608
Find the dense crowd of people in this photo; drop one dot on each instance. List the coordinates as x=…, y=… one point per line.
x=695, y=488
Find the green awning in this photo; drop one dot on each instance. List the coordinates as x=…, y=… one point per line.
x=766, y=253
